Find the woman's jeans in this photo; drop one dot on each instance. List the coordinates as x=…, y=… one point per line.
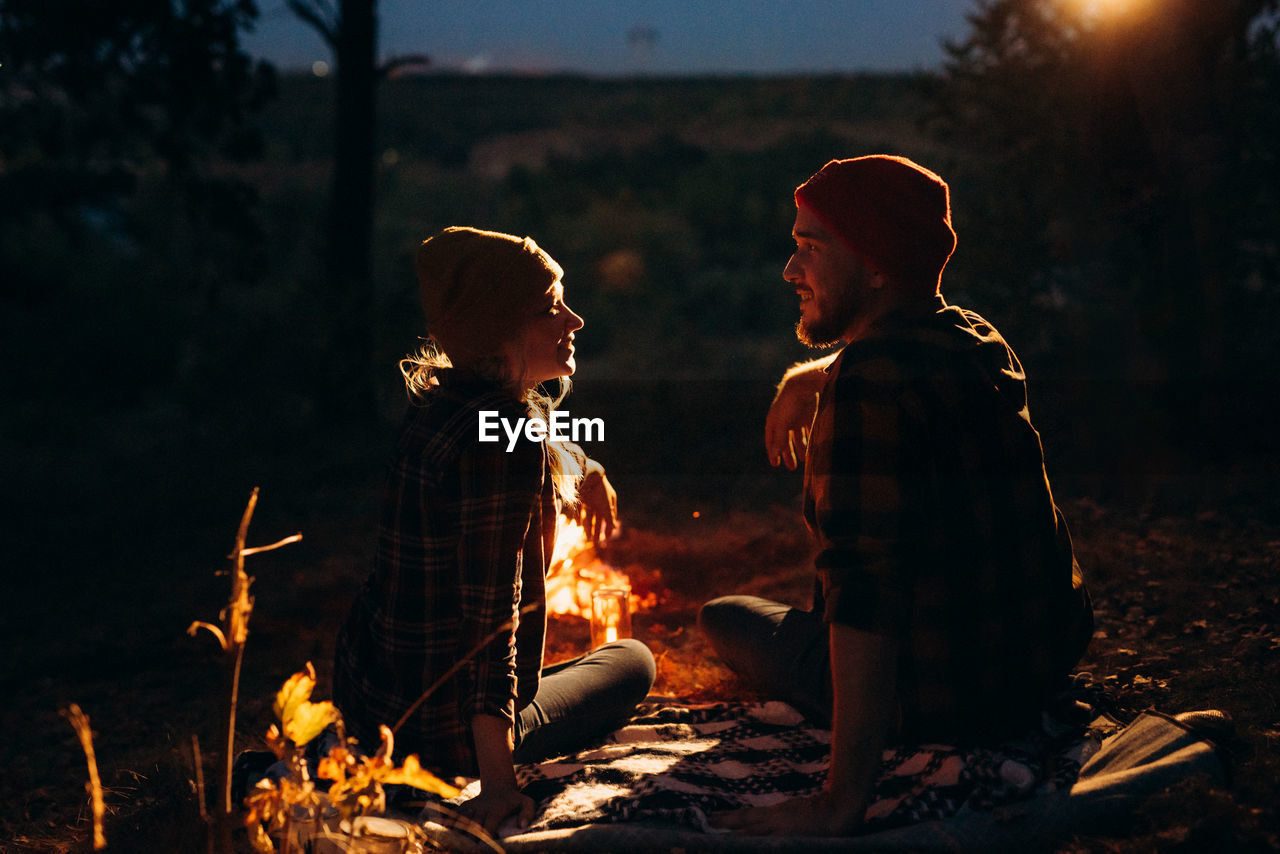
x=778, y=650
x=581, y=700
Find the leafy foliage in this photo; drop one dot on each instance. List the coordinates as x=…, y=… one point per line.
x=87, y=107
x=121, y=221
x=301, y=720
x=357, y=781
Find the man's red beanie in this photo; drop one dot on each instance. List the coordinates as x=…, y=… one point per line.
x=893, y=213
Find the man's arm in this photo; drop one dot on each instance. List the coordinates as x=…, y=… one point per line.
x=864, y=685
x=864, y=669
x=786, y=428
x=861, y=514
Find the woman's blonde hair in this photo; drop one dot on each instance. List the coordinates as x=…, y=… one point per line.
x=421, y=367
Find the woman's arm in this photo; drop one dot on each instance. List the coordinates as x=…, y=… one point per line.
x=498, y=494
x=598, y=503
x=500, y=797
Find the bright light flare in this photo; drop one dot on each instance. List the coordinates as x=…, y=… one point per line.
x=1101, y=11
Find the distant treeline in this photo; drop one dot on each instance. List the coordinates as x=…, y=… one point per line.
x=669, y=203
x=441, y=117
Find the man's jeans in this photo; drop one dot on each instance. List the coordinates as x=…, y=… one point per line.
x=583, y=699
x=779, y=650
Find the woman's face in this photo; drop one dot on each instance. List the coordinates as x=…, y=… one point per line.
x=544, y=350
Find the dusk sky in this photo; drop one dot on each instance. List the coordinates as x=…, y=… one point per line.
x=646, y=36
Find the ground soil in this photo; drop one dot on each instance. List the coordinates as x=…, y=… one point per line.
x=1183, y=571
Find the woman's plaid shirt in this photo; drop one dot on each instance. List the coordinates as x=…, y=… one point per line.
x=464, y=542
x=926, y=490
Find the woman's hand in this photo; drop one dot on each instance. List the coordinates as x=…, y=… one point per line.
x=500, y=798
x=598, y=504
x=495, y=804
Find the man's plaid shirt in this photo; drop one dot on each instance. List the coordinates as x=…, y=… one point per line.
x=465, y=541
x=926, y=490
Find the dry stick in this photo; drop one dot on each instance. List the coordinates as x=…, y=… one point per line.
x=236, y=621
x=80, y=722
x=238, y=612
x=292, y=538
x=456, y=667
x=199, y=765
x=238, y=557
x=231, y=732
x=198, y=761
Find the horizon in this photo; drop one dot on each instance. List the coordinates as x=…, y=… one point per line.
x=639, y=38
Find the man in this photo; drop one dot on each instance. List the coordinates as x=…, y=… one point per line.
x=949, y=605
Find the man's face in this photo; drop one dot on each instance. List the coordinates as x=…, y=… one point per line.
x=833, y=284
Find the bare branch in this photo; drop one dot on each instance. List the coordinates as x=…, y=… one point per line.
x=455, y=668
x=293, y=538
x=320, y=16
x=215, y=630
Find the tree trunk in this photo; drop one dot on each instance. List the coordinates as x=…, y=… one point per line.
x=1167, y=68
x=346, y=386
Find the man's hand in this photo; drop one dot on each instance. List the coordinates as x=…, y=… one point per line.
x=864, y=684
x=495, y=804
x=815, y=815
x=598, y=504
x=786, y=428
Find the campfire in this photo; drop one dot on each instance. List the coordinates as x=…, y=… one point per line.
x=582, y=584
x=577, y=572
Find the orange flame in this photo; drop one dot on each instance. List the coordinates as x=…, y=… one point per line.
x=577, y=571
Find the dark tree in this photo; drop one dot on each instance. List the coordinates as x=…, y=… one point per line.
x=119, y=221
x=1180, y=75
x=94, y=94
x=1131, y=151
x=351, y=31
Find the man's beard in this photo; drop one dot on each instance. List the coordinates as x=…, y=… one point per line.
x=824, y=332
x=819, y=339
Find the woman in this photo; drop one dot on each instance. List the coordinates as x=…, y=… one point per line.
x=466, y=537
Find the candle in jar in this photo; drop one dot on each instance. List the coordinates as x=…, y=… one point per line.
x=610, y=615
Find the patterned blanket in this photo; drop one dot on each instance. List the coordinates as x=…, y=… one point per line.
x=678, y=764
